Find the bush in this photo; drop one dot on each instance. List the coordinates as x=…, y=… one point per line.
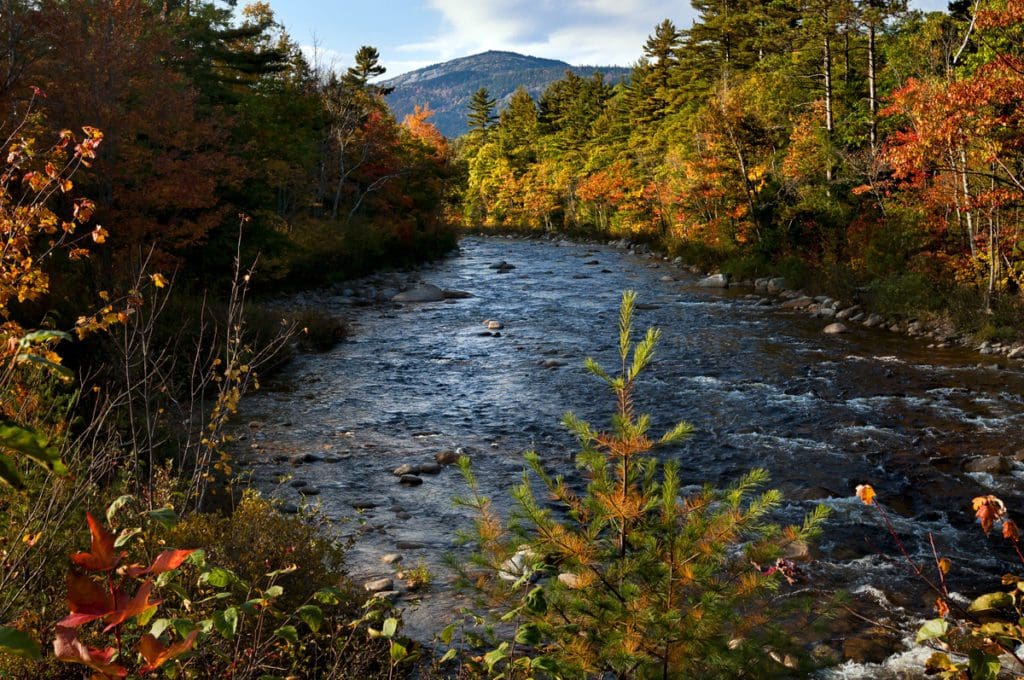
x=630, y=576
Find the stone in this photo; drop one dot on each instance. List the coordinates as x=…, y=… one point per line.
x=835, y=328
x=288, y=509
x=456, y=294
x=1016, y=353
x=570, y=580
x=403, y=469
x=552, y=363
x=714, y=281
x=776, y=285
x=427, y=468
x=364, y=504
x=797, y=303
x=410, y=480
x=494, y=325
x=873, y=320
x=423, y=293
x=446, y=457
x=873, y=649
x=391, y=558
x=379, y=585
x=410, y=545
x=994, y=465
x=298, y=484
x=845, y=314
x=309, y=491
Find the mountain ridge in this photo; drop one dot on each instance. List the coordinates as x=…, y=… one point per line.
x=447, y=86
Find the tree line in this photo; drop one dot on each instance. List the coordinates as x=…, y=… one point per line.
x=854, y=138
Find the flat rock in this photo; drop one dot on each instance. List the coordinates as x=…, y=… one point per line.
x=797, y=303
x=364, y=504
x=431, y=468
x=456, y=294
x=391, y=558
x=410, y=480
x=379, y=585
x=776, y=285
x=495, y=325
x=298, y=483
x=403, y=469
x=873, y=320
x=835, y=329
x=424, y=293
x=714, y=281
x=288, y=509
x=309, y=491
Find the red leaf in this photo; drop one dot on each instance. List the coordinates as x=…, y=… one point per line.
x=87, y=600
x=67, y=647
x=156, y=654
x=132, y=607
x=101, y=556
x=165, y=561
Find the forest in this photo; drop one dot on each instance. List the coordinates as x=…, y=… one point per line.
x=866, y=147
x=171, y=166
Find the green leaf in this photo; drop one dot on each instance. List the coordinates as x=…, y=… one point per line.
x=9, y=474
x=935, y=628
x=389, y=628
x=159, y=626
x=329, y=595
x=398, y=652
x=446, y=634
x=991, y=601
x=226, y=622
x=19, y=642
x=165, y=516
x=183, y=627
x=144, y=617
x=528, y=634
x=493, y=657
x=31, y=445
x=273, y=592
x=118, y=503
x=983, y=666
x=289, y=633
x=312, y=615
x=36, y=337
x=448, y=656
x=126, y=536
x=60, y=369
x=218, y=577
x=197, y=558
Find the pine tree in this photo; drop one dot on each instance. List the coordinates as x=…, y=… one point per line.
x=482, y=114
x=367, y=66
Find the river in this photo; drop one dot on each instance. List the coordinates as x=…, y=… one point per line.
x=762, y=386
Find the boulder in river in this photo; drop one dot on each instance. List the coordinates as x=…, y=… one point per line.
x=403, y=469
x=456, y=294
x=447, y=457
x=797, y=303
x=430, y=468
x=776, y=285
x=835, y=329
x=993, y=465
x=410, y=480
x=424, y=293
x=714, y=281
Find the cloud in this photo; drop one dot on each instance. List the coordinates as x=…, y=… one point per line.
x=601, y=32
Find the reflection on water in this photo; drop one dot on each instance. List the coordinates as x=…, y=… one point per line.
x=763, y=388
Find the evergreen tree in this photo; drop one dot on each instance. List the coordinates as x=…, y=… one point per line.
x=367, y=66
x=482, y=114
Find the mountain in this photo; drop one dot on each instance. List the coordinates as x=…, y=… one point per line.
x=447, y=87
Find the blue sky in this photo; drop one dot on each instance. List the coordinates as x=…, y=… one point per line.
x=414, y=33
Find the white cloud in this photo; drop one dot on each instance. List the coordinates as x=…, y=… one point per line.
x=593, y=32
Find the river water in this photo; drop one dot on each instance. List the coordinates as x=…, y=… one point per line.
x=762, y=386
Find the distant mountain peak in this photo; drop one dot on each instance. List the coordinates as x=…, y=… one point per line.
x=448, y=86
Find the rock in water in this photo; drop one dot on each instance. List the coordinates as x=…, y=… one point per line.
x=424, y=293
x=410, y=480
x=835, y=329
x=447, y=457
x=714, y=281
x=379, y=585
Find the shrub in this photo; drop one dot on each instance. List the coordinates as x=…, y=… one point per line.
x=631, y=576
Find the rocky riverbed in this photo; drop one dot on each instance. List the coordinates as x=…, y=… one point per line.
x=488, y=363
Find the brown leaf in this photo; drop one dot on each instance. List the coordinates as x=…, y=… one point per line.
x=132, y=607
x=156, y=654
x=1011, y=531
x=67, y=647
x=165, y=561
x=101, y=556
x=87, y=600
x=988, y=509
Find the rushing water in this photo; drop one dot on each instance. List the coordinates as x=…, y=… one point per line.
x=762, y=387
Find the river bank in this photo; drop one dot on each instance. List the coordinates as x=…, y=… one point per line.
x=762, y=385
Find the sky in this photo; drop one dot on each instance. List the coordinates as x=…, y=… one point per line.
x=410, y=34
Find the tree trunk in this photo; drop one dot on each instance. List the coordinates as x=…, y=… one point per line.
x=872, y=91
